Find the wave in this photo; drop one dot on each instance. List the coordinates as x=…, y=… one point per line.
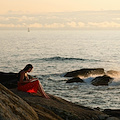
x=67, y=59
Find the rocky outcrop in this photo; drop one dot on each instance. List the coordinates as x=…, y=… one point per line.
x=62, y=108
x=76, y=79
x=114, y=113
x=113, y=73
x=13, y=107
x=85, y=72
x=102, y=80
x=9, y=80
x=30, y=107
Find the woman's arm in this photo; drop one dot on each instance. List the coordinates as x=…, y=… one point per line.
x=28, y=79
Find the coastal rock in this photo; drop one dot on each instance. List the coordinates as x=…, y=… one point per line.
x=13, y=107
x=103, y=117
x=85, y=72
x=9, y=80
x=59, y=107
x=108, y=117
x=114, y=113
x=102, y=80
x=76, y=79
x=113, y=73
x=30, y=107
x=112, y=118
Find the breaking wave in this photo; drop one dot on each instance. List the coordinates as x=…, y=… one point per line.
x=65, y=59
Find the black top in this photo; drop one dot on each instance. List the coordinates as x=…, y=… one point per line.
x=19, y=76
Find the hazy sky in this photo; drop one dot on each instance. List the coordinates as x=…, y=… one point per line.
x=37, y=6
x=60, y=14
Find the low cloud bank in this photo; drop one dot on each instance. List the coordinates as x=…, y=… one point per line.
x=70, y=20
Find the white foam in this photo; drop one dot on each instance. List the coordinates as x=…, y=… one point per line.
x=88, y=80
x=115, y=82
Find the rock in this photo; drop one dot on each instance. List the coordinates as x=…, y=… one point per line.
x=76, y=79
x=30, y=107
x=60, y=107
x=112, y=118
x=103, y=117
x=114, y=113
x=102, y=80
x=13, y=107
x=113, y=73
x=85, y=72
x=9, y=80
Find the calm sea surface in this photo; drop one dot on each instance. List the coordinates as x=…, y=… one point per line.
x=54, y=53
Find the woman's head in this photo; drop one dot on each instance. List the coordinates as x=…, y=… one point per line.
x=28, y=68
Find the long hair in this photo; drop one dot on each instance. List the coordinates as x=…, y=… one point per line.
x=27, y=67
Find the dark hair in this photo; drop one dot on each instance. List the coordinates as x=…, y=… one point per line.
x=27, y=67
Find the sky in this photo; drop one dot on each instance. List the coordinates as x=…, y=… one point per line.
x=38, y=6
x=60, y=14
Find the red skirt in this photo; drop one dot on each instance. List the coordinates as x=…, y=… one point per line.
x=31, y=87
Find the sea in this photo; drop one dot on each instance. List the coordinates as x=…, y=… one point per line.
x=56, y=52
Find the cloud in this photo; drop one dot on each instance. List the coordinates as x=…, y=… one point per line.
x=26, y=18
x=68, y=20
x=72, y=24
x=11, y=26
x=54, y=25
x=81, y=24
x=69, y=25
x=76, y=24
x=116, y=18
x=36, y=25
x=17, y=12
x=104, y=25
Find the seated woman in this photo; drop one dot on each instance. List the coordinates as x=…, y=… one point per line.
x=30, y=85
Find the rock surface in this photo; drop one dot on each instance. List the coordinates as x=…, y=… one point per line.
x=102, y=80
x=9, y=80
x=85, y=72
x=62, y=108
x=114, y=113
x=113, y=73
x=13, y=107
x=31, y=107
x=76, y=79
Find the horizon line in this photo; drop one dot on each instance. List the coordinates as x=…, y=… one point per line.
x=22, y=12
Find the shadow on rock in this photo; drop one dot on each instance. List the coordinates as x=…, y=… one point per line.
x=115, y=112
x=102, y=80
x=13, y=107
x=76, y=79
x=9, y=80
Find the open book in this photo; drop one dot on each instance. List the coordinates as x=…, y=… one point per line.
x=33, y=80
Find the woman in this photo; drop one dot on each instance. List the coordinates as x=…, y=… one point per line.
x=30, y=85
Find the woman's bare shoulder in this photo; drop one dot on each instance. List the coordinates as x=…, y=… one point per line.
x=22, y=72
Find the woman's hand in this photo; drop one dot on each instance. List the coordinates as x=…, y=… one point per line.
x=35, y=79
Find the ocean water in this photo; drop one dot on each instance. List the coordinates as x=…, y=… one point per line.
x=55, y=52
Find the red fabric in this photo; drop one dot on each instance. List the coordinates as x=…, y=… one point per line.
x=31, y=87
